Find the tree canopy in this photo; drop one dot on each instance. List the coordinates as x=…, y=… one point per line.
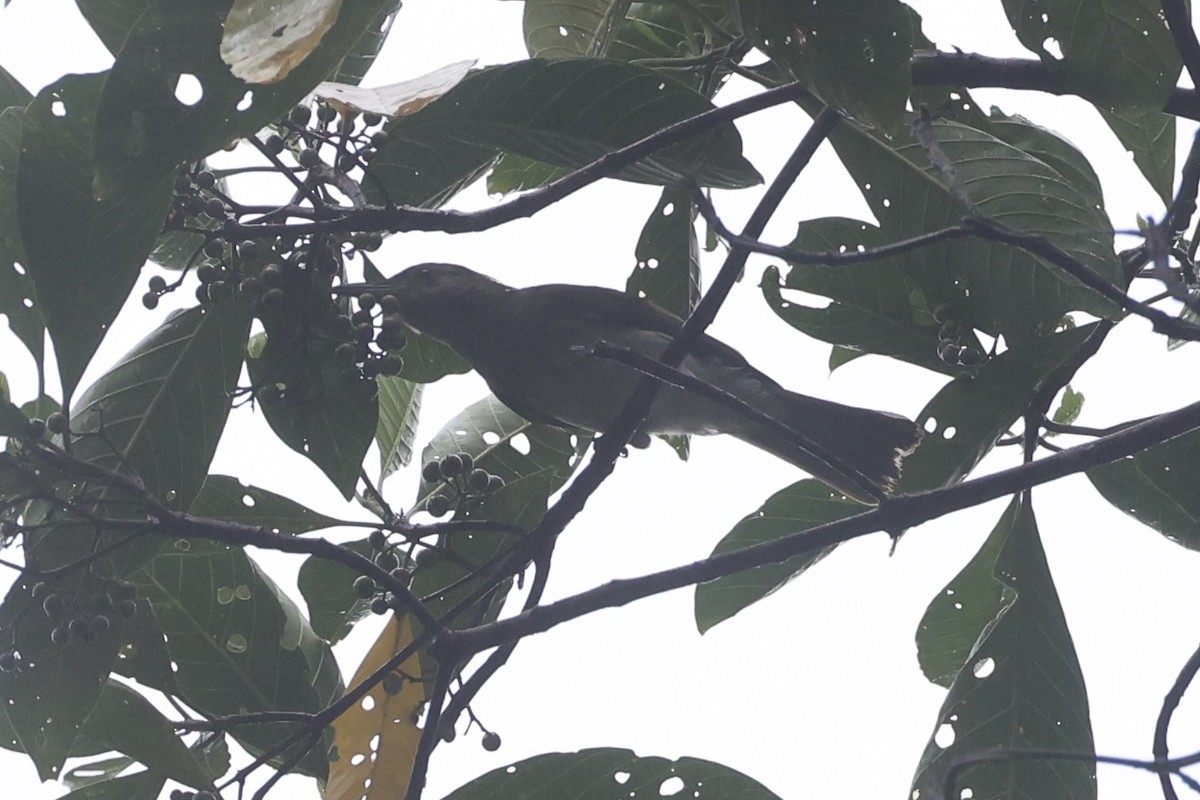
x=144, y=634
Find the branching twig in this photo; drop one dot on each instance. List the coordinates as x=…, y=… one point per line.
x=1170, y=703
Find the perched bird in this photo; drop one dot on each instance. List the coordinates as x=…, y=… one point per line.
x=534, y=348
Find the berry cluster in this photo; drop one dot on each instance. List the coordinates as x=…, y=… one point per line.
x=348, y=142
x=461, y=478
x=85, y=616
x=385, y=557
x=951, y=334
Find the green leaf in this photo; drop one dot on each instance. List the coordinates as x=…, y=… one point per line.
x=18, y=295
x=328, y=590
x=227, y=498
x=963, y=421
x=1000, y=290
x=514, y=173
x=48, y=706
x=667, y=272
x=83, y=279
x=840, y=356
x=96, y=772
x=13, y=421
x=318, y=409
x=399, y=407
x=569, y=113
x=1150, y=137
x=1019, y=685
x=143, y=785
x=1118, y=53
x=1070, y=407
x=240, y=643
x=571, y=28
x=855, y=54
x=1157, y=487
x=361, y=55
x=504, y=444
x=144, y=655
x=141, y=128
x=12, y=92
x=590, y=775
x=421, y=165
x=161, y=409
x=801, y=506
x=126, y=722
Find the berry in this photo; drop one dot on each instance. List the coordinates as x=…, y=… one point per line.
x=206, y=180
x=8, y=661
x=220, y=290
x=300, y=115
x=431, y=472
x=206, y=273
x=325, y=113
x=346, y=162
x=98, y=624
x=39, y=588
x=364, y=332
x=495, y=483
x=389, y=303
x=360, y=316
x=364, y=586
x=345, y=353
x=8, y=529
x=126, y=608
x=272, y=275
x=491, y=741
x=366, y=301
x=479, y=480
x=183, y=184
x=274, y=144
x=308, y=158
x=942, y=312
x=215, y=207
x=392, y=683
x=250, y=286
x=60, y=635
x=438, y=505
x=391, y=364
x=79, y=627
x=53, y=605
x=248, y=251
x=37, y=429
x=451, y=466
x=948, y=352
x=377, y=539
x=274, y=298
x=157, y=283
x=371, y=119
x=380, y=605
x=56, y=422
x=379, y=139
x=202, y=294
x=970, y=357
x=949, y=330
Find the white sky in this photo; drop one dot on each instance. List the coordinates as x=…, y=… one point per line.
x=816, y=691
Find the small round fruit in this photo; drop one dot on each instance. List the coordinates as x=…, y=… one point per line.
x=495, y=483
x=389, y=303
x=949, y=330
x=183, y=184
x=942, y=312
x=438, y=505
x=391, y=364
x=479, y=480
x=948, y=352
x=970, y=357
x=345, y=353
x=379, y=139
x=36, y=429
x=215, y=207
x=491, y=741
x=364, y=586
x=206, y=273
x=157, y=283
x=377, y=540
x=60, y=635
x=274, y=298
x=308, y=158
x=451, y=466
x=300, y=115
x=8, y=661
x=371, y=119
x=380, y=605
x=150, y=301
x=326, y=113
x=98, y=624
x=393, y=683
x=367, y=301
x=272, y=275
x=126, y=608
x=431, y=472
x=57, y=422
x=250, y=286
x=52, y=606
x=124, y=591
x=206, y=179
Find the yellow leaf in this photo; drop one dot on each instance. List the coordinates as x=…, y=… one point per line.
x=376, y=740
x=264, y=40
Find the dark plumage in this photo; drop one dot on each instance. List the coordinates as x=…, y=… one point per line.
x=531, y=346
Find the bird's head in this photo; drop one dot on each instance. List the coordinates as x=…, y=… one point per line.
x=438, y=298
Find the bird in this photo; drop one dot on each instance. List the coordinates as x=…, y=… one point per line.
x=535, y=348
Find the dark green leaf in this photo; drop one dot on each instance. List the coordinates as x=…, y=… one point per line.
x=48, y=706
x=144, y=655
x=126, y=722
x=18, y=296
x=592, y=774
x=240, y=644
x=1017, y=683
x=224, y=497
x=142, y=129
x=571, y=28
x=83, y=279
x=855, y=54
x=12, y=421
x=143, y=785
x=840, y=356
x=96, y=771
x=361, y=55
x=514, y=173
x=963, y=421
x=505, y=444
x=1000, y=290
x=328, y=590
x=1157, y=487
x=1150, y=137
x=1117, y=53
x=162, y=408
x=399, y=406
x=667, y=272
x=319, y=409
x=421, y=165
x=801, y=506
x=12, y=92
x=569, y=113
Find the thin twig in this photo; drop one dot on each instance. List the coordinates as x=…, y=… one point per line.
x=1171, y=702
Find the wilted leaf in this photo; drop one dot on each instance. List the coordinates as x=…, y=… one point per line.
x=397, y=99
x=264, y=40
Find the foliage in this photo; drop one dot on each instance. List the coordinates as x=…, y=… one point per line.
x=989, y=260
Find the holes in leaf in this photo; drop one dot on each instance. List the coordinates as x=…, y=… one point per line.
x=672, y=785
x=57, y=107
x=983, y=667
x=246, y=102
x=949, y=433
x=520, y=443
x=1051, y=46
x=944, y=737
x=248, y=500
x=490, y=437
x=621, y=777
x=563, y=32
x=236, y=643
x=930, y=425
x=188, y=89
x=668, y=209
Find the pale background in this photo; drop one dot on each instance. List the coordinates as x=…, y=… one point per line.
x=816, y=691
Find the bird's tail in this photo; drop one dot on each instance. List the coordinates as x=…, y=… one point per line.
x=835, y=441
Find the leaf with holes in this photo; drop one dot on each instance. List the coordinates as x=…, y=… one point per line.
x=82, y=280
x=505, y=444
x=801, y=506
x=562, y=29
x=47, y=707
x=224, y=497
x=241, y=645
x=855, y=54
x=1117, y=53
x=963, y=421
x=18, y=295
x=263, y=41
x=609, y=771
x=376, y=739
x=148, y=123
x=1157, y=487
x=1018, y=684
x=566, y=113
